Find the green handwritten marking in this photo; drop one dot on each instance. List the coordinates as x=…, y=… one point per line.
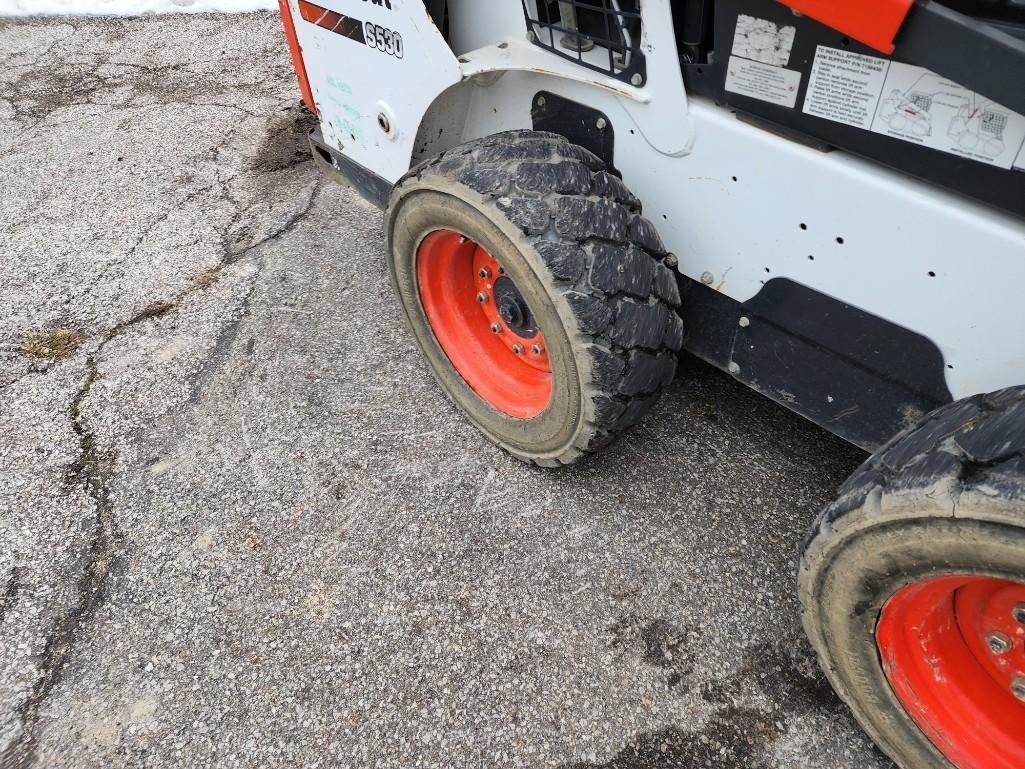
x=347, y=127
x=341, y=85
x=351, y=111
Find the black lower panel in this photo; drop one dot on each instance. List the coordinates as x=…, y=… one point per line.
x=851, y=372
x=350, y=173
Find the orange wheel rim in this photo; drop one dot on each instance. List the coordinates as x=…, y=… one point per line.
x=483, y=324
x=953, y=649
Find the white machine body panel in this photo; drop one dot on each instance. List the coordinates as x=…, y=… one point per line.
x=737, y=204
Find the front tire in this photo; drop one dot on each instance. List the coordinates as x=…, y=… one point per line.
x=912, y=588
x=536, y=291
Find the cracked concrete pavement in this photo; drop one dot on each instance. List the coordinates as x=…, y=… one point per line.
x=241, y=525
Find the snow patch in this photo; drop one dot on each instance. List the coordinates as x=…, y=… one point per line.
x=128, y=7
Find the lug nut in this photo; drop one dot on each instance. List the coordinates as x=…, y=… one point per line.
x=1018, y=612
x=484, y=272
x=998, y=643
x=1018, y=687
x=495, y=328
x=536, y=349
x=482, y=297
x=517, y=348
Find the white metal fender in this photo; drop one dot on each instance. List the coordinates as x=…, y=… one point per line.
x=394, y=67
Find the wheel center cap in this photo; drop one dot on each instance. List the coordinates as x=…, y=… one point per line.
x=511, y=312
x=513, y=309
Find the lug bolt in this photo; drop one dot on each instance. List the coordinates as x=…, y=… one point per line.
x=998, y=643
x=536, y=349
x=517, y=348
x=482, y=297
x=1018, y=612
x=495, y=328
x=484, y=272
x=1018, y=687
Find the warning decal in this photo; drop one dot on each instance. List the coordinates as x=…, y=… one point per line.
x=757, y=68
x=912, y=104
x=845, y=87
x=761, y=40
x=762, y=81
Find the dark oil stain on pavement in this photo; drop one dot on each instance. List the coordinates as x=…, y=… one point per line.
x=659, y=643
x=735, y=736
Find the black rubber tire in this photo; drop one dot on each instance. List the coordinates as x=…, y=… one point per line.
x=946, y=497
x=589, y=265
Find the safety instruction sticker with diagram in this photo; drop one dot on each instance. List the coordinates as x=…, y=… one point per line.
x=913, y=104
x=758, y=63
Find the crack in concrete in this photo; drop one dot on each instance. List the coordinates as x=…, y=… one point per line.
x=93, y=470
x=10, y=592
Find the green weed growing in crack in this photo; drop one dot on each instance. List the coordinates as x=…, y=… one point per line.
x=51, y=344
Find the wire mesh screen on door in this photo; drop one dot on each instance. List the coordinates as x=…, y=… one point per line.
x=602, y=35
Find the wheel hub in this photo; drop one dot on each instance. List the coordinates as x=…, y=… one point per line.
x=953, y=649
x=513, y=309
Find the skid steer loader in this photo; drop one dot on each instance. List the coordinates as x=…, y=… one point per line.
x=833, y=212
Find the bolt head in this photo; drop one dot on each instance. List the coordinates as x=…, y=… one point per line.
x=530, y=36
x=734, y=367
x=541, y=101
x=482, y=297
x=671, y=261
x=744, y=322
x=600, y=123
x=484, y=272
x=1018, y=612
x=636, y=79
x=707, y=278
x=1018, y=687
x=496, y=328
x=536, y=349
x=998, y=643
x=517, y=348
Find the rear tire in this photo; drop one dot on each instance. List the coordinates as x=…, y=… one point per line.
x=906, y=579
x=586, y=268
